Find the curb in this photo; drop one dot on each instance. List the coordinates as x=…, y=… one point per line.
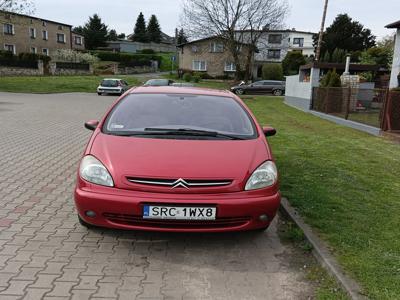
x=323, y=255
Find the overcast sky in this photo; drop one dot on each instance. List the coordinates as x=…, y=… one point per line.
x=304, y=15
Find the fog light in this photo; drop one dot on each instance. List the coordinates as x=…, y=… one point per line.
x=90, y=214
x=263, y=218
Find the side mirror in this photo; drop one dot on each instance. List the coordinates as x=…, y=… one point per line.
x=92, y=124
x=269, y=131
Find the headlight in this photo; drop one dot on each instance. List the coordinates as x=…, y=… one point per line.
x=265, y=175
x=92, y=170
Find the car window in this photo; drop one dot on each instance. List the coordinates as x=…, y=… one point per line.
x=258, y=83
x=200, y=112
x=270, y=83
x=109, y=83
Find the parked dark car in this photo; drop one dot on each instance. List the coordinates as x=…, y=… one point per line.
x=277, y=88
x=158, y=82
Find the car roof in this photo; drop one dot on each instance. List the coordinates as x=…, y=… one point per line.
x=179, y=90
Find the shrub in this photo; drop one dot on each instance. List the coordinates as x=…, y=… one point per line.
x=292, y=62
x=196, y=78
x=331, y=79
x=147, y=51
x=205, y=75
x=272, y=71
x=187, y=77
x=144, y=59
x=223, y=77
x=68, y=55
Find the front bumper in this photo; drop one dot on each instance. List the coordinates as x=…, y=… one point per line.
x=123, y=210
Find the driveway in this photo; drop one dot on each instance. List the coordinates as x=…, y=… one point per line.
x=46, y=254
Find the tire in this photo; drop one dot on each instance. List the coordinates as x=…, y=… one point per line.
x=278, y=93
x=99, y=94
x=84, y=223
x=239, y=92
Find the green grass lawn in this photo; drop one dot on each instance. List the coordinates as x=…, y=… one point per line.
x=346, y=184
x=56, y=84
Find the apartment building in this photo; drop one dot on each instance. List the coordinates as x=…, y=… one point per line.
x=273, y=45
x=27, y=34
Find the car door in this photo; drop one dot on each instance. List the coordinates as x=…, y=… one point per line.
x=269, y=86
x=255, y=88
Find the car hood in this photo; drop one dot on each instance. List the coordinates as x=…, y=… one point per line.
x=149, y=158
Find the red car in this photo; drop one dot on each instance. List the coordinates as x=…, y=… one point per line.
x=178, y=159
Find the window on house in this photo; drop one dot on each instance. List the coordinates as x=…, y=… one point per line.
x=10, y=48
x=275, y=38
x=8, y=28
x=45, y=51
x=199, y=65
x=195, y=49
x=44, y=23
x=33, y=50
x=78, y=40
x=230, y=67
x=274, y=53
x=45, y=35
x=216, y=47
x=60, y=27
x=32, y=33
x=298, y=41
x=60, y=38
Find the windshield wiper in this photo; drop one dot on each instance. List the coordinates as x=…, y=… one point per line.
x=191, y=132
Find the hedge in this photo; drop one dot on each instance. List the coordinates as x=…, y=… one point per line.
x=23, y=60
x=143, y=59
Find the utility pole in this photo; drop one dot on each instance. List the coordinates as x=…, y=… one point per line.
x=321, y=33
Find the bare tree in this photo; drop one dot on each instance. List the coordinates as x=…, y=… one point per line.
x=18, y=6
x=236, y=22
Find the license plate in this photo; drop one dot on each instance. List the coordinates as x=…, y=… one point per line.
x=179, y=212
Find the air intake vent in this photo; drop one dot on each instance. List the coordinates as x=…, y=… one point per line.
x=179, y=182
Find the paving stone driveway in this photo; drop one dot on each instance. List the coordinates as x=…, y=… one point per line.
x=46, y=254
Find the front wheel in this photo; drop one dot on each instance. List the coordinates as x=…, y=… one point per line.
x=239, y=92
x=99, y=94
x=278, y=93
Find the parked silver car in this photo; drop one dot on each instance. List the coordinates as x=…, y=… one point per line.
x=112, y=86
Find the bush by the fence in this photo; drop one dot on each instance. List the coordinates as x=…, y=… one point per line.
x=148, y=51
x=272, y=71
x=187, y=77
x=23, y=60
x=126, y=57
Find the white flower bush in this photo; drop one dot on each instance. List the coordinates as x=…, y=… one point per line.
x=68, y=55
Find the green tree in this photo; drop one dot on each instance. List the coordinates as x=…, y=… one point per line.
x=326, y=57
x=292, y=62
x=335, y=81
x=122, y=36
x=326, y=79
x=153, y=30
x=112, y=35
x=139, y=33
x=182, y=38
x=272, y=71
x=346, y=34
x=95, y=33
x=377, y=56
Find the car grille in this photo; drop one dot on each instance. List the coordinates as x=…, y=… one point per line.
x=132, y=220
x=179, y=182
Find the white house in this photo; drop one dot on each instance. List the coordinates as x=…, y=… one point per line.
x=394, y=81
x=273, y=45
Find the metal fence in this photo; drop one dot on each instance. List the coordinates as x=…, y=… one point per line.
x=357, y=104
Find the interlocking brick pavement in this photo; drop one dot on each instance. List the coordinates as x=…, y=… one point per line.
x=46, y=254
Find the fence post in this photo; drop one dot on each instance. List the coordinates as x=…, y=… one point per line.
x=327, y=100
x=348, y=103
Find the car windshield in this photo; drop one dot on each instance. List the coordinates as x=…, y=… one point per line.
x=109, y=83
x=157, y=82
x=169, y=115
